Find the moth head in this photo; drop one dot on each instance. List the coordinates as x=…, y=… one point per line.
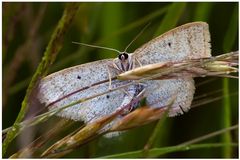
x=123, y=56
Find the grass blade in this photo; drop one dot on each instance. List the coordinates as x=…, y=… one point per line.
x=156, y=152
x=174, y=13
x=50, y=54
x=228, y=43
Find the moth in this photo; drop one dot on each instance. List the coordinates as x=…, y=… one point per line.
x=186, y=42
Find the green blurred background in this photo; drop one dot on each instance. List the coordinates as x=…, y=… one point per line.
x=27, y=28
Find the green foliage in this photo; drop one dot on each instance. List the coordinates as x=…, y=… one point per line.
x=228, y=43
x=115, y=25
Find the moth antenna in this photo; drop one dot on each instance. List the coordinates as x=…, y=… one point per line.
x=94, y=46
x=137, y=36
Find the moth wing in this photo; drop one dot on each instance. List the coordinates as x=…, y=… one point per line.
x=73, y=80
x=176, y=92
x=185, y=42
x=188, y=41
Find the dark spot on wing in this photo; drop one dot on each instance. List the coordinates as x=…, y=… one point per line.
x=79, y=77
x=169, y=44
x=108, y=96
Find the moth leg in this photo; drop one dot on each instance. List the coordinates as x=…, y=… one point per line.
x=110, y=78
x=134, y=102
x=140, y=64
x=141, y=93
x=127, y=93
x=131, y=62
x=115, y=67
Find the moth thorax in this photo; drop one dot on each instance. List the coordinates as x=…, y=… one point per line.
x=125, y=61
